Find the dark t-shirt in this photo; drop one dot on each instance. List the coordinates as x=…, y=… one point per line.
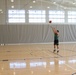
x=56, y=37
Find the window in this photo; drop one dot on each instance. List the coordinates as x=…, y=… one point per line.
x=37, y=16
x=57, y=16
x=16, y=16
x=71, y=16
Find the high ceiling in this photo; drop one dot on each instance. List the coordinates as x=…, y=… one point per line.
x=37, y=4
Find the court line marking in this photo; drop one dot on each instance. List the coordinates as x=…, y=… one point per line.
x=69, y=50
x=68, y=65
x=55, y=53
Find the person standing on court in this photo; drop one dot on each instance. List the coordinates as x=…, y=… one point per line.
x=56, y=38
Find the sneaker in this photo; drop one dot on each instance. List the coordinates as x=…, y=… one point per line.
x=54, y=51
x=58, y=51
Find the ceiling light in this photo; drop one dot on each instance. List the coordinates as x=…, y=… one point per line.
x=65, y=8
x=54, y=2
x=34, y=1
x=74, y=3
x=0, y=9
x=48, y=7
x=12, y=0
x=30, y=6
x=12, y=6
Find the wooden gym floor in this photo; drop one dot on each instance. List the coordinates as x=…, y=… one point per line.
x=37, y=59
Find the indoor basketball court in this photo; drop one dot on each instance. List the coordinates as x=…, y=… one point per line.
x=37, y=37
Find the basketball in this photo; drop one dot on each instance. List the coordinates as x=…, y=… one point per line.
x=50, y=21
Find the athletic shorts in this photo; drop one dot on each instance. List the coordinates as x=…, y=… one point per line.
x=56, y=42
